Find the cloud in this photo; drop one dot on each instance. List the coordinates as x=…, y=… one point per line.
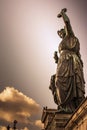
x=16, y=105
x=39, y=124
x=25, y=128
x=3, y=128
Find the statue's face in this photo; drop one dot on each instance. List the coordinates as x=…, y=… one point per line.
x=61, y=33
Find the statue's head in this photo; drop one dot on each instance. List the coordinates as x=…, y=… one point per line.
x=61, y=33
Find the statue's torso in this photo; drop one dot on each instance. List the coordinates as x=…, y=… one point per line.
x=68, y=62
x=70, y=43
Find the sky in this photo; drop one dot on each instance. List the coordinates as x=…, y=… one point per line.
x=28, y=39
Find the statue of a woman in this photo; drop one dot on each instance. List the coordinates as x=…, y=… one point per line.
x=69, y=88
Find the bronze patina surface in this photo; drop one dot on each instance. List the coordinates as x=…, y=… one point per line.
x=68, y=85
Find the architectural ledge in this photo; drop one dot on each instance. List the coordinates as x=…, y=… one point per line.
x=46, y=112
x=78, y=118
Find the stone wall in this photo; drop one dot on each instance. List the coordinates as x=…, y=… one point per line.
x=78, y=120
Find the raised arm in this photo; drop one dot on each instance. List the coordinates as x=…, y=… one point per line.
x=66, y=20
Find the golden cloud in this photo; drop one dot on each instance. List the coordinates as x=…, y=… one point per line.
x=16, y=105
x=25, y=128
x=39, y=124
x=3, y=128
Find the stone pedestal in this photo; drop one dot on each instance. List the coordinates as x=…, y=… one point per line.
x=53, y=120
x=59, y=121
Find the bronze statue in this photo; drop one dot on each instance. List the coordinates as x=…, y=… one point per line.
x=68, y=85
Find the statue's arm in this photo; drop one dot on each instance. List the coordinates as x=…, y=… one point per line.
x=55, y=57
x=66, y=20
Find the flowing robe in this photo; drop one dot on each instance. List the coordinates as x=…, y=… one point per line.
x=69, y=80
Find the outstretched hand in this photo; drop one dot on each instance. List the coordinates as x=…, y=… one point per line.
x=62, y=11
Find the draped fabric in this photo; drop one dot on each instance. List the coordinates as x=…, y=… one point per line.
x=69, y=79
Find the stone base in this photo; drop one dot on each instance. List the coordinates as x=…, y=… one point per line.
x=59, y=121
x=53, y=120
